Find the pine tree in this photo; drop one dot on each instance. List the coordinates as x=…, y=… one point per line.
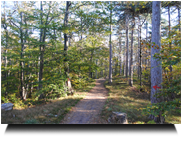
x=156, y=68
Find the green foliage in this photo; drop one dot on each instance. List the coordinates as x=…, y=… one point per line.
x=171, y=85
x=162, y=107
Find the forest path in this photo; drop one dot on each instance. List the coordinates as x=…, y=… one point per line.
x=88, y=109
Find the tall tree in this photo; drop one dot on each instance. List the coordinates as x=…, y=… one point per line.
x=138, y=52
x=120, y=55
x=127, y=43
x=110, y=46
x=131, y=53
x=169, y=34
x=156, y=68
x=42, y=44
x=66, y=66
x=5, y=26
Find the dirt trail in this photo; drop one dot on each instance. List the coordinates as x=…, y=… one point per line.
x=88, y=109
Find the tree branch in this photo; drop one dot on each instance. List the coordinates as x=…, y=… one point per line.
x=14, y=24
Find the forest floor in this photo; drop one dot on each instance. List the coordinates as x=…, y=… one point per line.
x=91, y=105
x=123, y=98
x=88, y=110
x=44, y=112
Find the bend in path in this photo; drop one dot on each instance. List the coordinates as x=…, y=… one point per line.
x=88, y=109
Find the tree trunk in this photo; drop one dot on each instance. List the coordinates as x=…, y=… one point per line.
x=140, y=56
x=96, y=71
x=22, y=91
x=138, y=70
x=106, y=69
x=131, y=55
x=81, y=42
x=110, y=51
x=146, y=49
x=66, y=69
x=41, y=62
x=120, y=54
x=91, y=74
x=6, y=52
x=102, y=68
x=116, y=65
x=127, y=45
x=156, y=68
x=124, y=62
x=169, y=15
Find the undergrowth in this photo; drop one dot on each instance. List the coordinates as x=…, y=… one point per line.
x=46, y=111
x=123, y=98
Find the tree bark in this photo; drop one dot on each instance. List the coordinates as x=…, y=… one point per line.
x=138, y=52
x=140, y=57
x=41, y=61
x=127, y=45
x=124, y=62
x=110, y=50
x=120, y=54
x=22, y=91
x=131, y=55
x=169, y=19
x=91, y=73
x=146, y=49
x=96, y=70
x=156, y=68
x=66, y=67
x=106, y=69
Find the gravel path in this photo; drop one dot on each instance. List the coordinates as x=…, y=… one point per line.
x=88, y=109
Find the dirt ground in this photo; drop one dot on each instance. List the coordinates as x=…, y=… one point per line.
x=88, y=109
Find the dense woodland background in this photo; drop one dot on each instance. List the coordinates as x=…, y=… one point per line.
x=49, y=49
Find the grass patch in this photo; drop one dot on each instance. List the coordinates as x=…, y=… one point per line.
x=123, y=98
x=50, y=113
x=88, y=87
x=43, y=111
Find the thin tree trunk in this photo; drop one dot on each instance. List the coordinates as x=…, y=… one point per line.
x=110, y=50
x=169, y=15
x=146, y=49
x=156, y=68
x=68, y=83
x=96, y=71
x=140, y=56
x=81, y=41
x=102, y=69
x=131, y=55
x=42, y=48
x=41, y=62
x=91, y=74
x=138, y=70
x=6, y=52
x=120, y=54
x=116, y=64
x=124, y=63
x=106, y=69
x=22, y=91
x=127, y=45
